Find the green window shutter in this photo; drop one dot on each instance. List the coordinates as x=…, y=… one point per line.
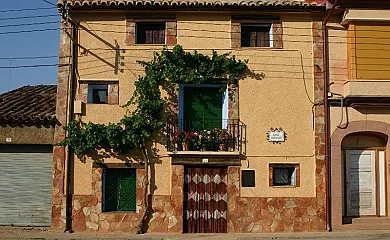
x=119, y=189
x=110, y=189
x=202, y=108
x=127, y=190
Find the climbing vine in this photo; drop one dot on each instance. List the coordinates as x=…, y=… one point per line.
x=165, y=70
x=134, y=130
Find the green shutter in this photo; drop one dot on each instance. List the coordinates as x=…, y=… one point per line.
x=202, y=108
x=120, y=189
x=127, y=191
x=110, y=190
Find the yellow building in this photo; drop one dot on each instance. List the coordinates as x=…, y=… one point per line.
x=270, y=176
x=358, y=78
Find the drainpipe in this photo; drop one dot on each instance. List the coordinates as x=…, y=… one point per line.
x=70, y=152
x=327, y=142
x=69, y=157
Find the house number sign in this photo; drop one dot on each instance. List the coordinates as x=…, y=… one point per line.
x=276, y=135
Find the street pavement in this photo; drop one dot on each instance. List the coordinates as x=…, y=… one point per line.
x=26, y=233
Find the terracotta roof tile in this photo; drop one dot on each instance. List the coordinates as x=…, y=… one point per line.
x=29, y=104
x=248, y=3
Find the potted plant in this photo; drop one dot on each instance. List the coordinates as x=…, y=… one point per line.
x=224, y=138
x=179, y=140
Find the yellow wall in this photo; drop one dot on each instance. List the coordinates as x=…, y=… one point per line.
x=279, y=99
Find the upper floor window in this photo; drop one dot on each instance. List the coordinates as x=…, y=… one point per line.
x=256, y=31
x=98, y=93
x=150, y=33
x=256, y=35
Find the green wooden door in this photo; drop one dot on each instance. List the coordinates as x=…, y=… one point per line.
x=202, y=108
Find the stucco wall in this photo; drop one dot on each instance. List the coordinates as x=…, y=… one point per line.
x=281, y=98
x=21, y=134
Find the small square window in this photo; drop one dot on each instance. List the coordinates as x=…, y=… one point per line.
x=150, y=33
x=284, y=175
x=98, y=93
x=256, y=35
x=248, y=178
x=119, y=189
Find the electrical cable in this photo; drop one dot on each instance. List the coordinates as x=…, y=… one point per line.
x=30, y=17
x=28, y=24
x=32, y=66
x=26, y=9
x=30, y=31
x=50, y=3
x=30, y=57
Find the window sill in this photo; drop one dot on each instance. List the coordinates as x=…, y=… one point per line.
x=263, y=48
x=283, y=186
x=119, y=212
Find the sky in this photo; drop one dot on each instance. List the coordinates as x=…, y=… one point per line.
x=14, y=46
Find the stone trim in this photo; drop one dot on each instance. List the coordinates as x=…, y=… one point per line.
x=113, y=91
x=336, y=157
x=170, y=30
x=277, y=32
x=233, y=104
x=58, y=215
x=280, y=165
x=319, y=123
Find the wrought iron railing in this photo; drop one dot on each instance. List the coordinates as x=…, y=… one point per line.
x=206, y=135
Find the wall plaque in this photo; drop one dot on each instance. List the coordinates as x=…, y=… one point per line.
x=276, y=135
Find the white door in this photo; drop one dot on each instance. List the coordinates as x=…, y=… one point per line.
x=361, y=184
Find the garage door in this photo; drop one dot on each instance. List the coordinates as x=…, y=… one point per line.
x=25, y=185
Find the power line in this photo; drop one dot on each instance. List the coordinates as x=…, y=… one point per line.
x=30, y=31
x=50, y=3
x=29, y=57
x=26, y=9
x=30, y=17
x=33, y=66
x=28, y=24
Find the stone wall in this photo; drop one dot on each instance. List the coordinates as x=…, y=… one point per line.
x=265, y=215
x=87, y=212
x=245, y=214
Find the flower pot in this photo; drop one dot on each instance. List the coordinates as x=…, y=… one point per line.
x=222, y=147
x=204, y=148
x=185, y=146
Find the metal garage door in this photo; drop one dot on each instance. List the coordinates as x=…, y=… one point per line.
x=25, y=185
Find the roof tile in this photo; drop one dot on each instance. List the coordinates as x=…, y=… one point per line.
x=29, y=104
x=255, y=3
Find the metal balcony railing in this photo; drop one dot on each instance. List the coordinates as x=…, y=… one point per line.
x=226, y=135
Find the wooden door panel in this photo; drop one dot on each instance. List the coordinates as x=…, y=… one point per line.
x=361, y=183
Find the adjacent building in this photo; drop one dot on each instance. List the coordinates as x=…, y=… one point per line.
x=27, y=120
x=359, y=74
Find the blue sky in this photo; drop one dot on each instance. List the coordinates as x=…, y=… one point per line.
x=33, y=44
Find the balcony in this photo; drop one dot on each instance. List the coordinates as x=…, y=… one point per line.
x=206, y=137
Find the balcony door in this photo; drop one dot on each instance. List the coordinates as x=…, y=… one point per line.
x=202, y=108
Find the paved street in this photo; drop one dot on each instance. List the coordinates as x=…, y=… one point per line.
x=47, y=233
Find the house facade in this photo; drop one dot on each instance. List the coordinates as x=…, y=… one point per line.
x=270, y=173
x=358, y=91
